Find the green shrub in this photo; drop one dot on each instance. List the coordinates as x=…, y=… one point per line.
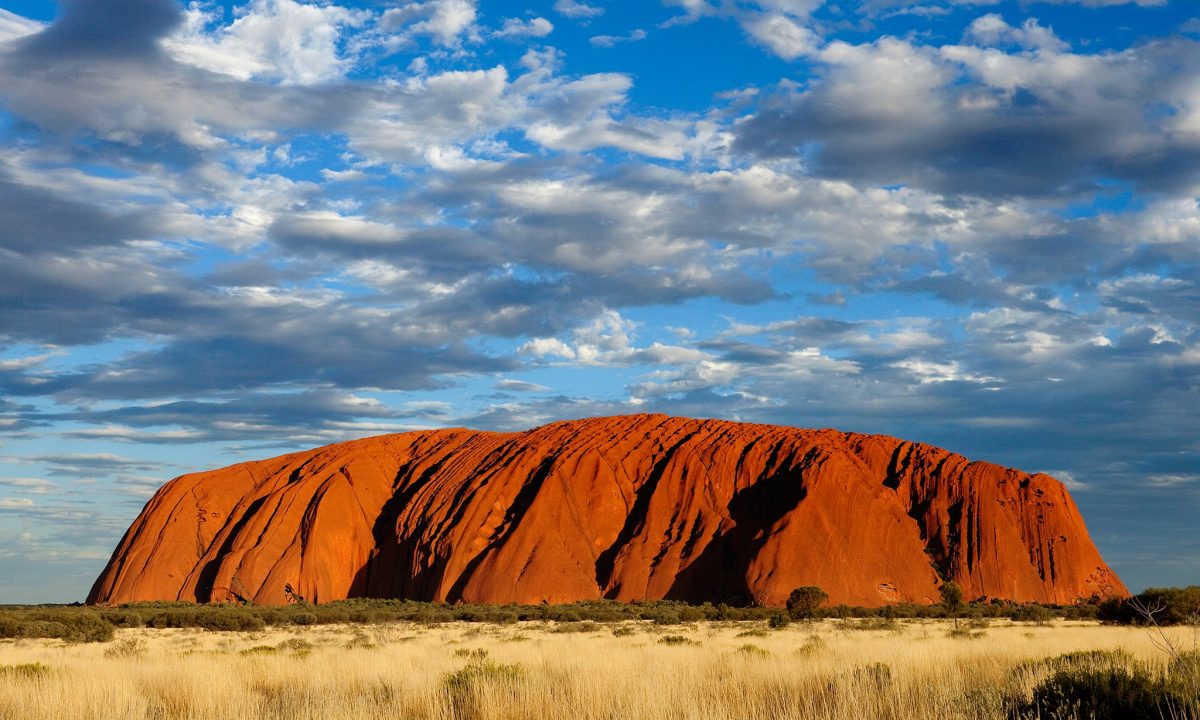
x=803, y=602
x=462, y=686
x=575, y=627
x=228, y=620
x=1091, y=660
x=9, y=627
x=1109, y=685
x=778, y=620
x=873, y=623
x=123, y=618
x=259, y=650
x=664, y=617
x=360, y=640
x=813, y=644
x=676, y=640
x=303, y=618
x=1032, y=612
x=126, y=648
x=1170, y=606
x=298, y=646
x=69, y=625
x=1114, y=694
x=752, y=650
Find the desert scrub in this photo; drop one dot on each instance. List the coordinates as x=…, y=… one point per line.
x=576, y=627
x=62, y=623
x=480, y=683
x=24, y=671
x=1107, y=685
x=812, y=645
x=752, y=650
x=360, y=640
x=873, y=623
x=676, y=640
x=298, y=647
x=259, y=650
x=126, y=648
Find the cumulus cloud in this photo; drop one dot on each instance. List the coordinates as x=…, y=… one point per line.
x=281, y=40
x=446, y=22
x=982, y=121
x=991, y=29
x=532, y=28
x=782, y=35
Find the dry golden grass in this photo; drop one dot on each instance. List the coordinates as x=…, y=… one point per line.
x=716, y=671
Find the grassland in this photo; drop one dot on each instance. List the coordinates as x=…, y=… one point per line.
x=843, y=669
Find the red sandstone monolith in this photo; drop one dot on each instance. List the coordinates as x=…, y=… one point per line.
x=631, y=507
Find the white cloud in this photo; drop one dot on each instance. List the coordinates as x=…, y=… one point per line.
x=446, y=21
x=521, y=386
x=13, y=26
x=1170, y=480
x=283, y=40
x=692, y=11
x=608, y=41
x=517, y=28
x=575, y=9
x=991, y=29
x=607, y=339
x=543, y=347
x=36, y=486
x=929, y=371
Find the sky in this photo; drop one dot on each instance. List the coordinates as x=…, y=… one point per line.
x=234, y=230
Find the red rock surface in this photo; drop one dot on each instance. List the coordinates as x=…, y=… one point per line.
x=642, y=506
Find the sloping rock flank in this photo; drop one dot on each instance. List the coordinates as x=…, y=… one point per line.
x=631, y=507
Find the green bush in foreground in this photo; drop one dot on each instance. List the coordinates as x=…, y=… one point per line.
x=1109, y=685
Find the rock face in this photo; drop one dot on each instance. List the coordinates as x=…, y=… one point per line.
x=643, y=506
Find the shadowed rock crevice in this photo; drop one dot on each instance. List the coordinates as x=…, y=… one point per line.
x=632, y=507
x=208, y=573
x=635, y=520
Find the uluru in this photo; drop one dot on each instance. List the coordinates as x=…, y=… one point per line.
x=629, y=507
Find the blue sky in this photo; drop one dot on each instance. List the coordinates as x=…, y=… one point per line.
x=229, y=231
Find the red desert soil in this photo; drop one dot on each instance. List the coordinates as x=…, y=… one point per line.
x=631, y=507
